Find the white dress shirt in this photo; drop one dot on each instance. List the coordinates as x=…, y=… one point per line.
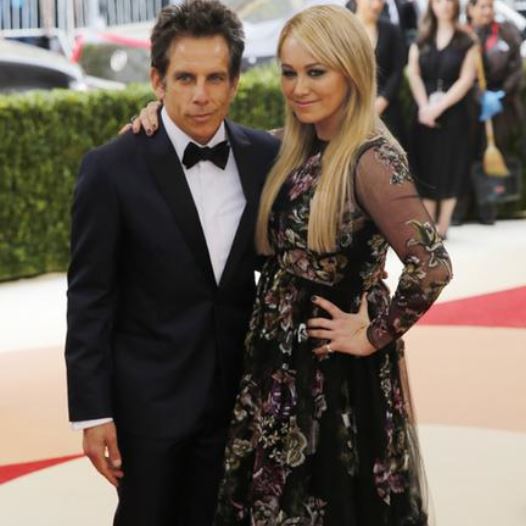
x=394, y=16
x=219, y=199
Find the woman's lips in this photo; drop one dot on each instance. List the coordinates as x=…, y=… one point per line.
x=304, y=104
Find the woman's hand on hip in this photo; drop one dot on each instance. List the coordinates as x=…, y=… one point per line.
x=345, y=333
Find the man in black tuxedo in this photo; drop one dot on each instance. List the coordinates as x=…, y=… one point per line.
x=161, y=279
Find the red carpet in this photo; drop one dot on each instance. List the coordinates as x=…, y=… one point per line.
x=500, y=309
x=14, y=471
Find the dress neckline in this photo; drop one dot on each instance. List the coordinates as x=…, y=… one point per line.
x=318, y=146
x=449, y=42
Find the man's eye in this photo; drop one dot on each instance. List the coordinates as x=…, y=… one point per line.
x=217, y=78
x=316, y=72
x=183, y=77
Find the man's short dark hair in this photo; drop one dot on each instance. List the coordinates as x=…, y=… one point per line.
x=197, y=18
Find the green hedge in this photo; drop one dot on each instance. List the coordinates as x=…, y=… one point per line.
x=43, y=138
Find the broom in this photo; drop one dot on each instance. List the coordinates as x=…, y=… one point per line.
x=492, y=161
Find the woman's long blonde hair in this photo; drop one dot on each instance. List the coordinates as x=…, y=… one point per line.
x=338, y=40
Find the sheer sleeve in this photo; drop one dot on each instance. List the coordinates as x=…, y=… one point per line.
x=385, y=191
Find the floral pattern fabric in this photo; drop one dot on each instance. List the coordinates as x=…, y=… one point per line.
x=331, y=442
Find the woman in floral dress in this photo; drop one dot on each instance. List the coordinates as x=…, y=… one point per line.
x=322, y=432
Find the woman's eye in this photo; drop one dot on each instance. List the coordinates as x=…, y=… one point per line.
x=316, y=72
x=287, y=73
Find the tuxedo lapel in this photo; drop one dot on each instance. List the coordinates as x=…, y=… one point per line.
x=247, y=166
x=168, y=172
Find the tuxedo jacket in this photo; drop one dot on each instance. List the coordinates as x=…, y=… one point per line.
x=148, y=327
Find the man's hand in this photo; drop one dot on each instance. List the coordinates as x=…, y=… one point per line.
x=100, y=446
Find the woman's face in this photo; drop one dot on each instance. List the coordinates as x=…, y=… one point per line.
x=316, y=93
x=482, y=13
x=444, y=10
x=370, y=10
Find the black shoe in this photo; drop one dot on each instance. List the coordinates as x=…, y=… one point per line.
x=487, y=214
x=486, y=220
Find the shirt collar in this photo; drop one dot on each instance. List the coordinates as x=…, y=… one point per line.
x=180, y=139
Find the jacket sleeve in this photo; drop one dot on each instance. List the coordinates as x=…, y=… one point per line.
x=91, y=292
x=385, y=191
x=396, y=47
x=514, y=74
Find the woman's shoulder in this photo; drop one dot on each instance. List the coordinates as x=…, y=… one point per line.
x=382, y=154
x=464, y=39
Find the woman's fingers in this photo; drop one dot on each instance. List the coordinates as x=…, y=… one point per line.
x=320, y=323
x=323, y=350
x=148, y=119
x=327, y=306
x=136, y=125
x=144, y=121
x=320, y=334
x=125, y=128
x=152, y=109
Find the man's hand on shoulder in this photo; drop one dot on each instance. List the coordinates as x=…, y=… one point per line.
x=100, y=446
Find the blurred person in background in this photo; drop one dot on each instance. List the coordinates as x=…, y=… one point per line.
x=441, y=75
x=500, y=44
x=391, y=55
x=401, y=13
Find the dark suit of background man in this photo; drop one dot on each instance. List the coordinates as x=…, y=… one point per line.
x=161, y=281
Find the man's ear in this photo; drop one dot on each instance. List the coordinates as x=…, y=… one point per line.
x=234, y=87
x=157, y=82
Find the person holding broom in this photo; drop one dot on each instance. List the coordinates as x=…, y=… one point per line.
x=502, y=64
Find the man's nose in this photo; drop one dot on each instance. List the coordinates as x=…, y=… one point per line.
x=200, y=93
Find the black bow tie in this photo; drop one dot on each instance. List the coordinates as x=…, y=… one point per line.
x=217, y=155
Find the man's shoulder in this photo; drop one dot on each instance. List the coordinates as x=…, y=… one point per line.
x=117, y=149
x=258, y=137
x=105, y=164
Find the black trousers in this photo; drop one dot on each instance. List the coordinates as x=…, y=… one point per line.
x=174, y=482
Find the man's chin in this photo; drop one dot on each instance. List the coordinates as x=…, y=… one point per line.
x=203, y=133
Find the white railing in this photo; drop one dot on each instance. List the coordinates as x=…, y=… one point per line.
x=70, y=14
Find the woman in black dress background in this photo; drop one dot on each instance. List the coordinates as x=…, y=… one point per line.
x=441, y=74
x=391, y=58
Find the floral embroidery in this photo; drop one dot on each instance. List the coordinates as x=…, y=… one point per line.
x=395, y=160
x=390, y=473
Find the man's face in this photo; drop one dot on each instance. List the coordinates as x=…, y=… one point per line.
x=197, y=89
